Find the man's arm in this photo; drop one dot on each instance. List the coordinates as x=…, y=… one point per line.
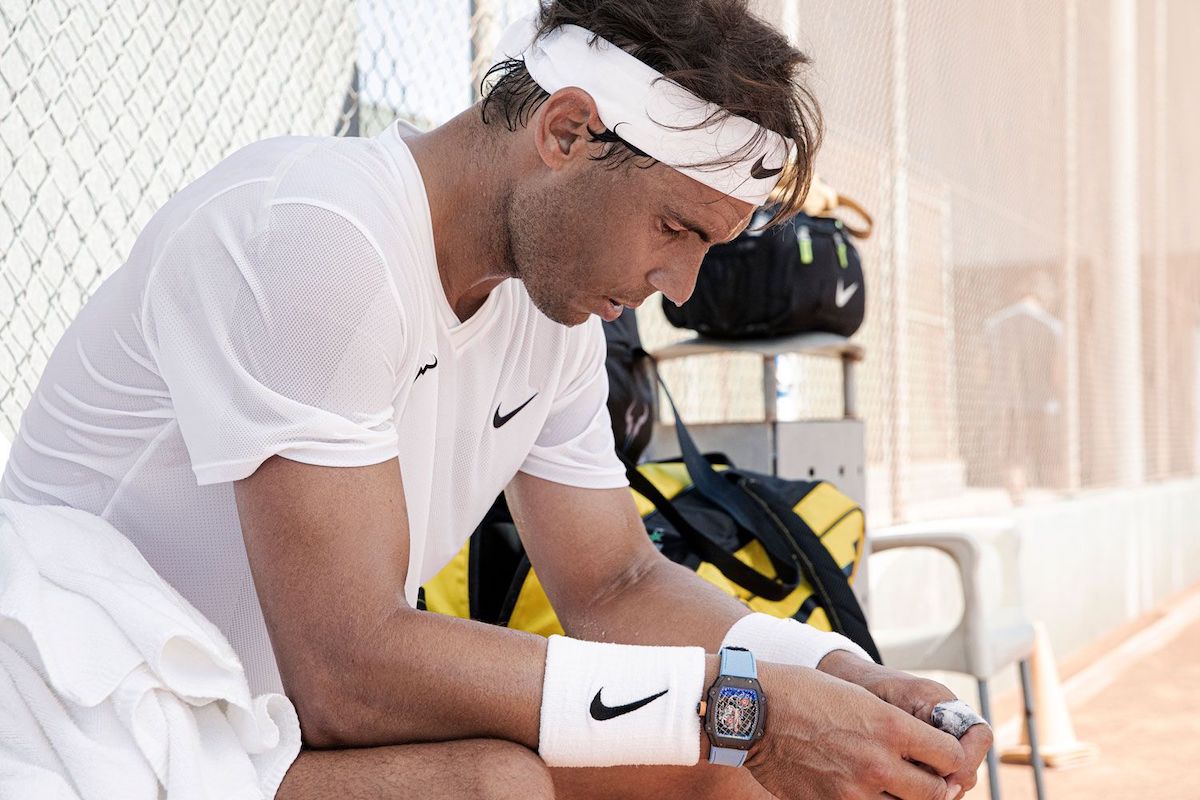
x=328, y=547
x=606, y=580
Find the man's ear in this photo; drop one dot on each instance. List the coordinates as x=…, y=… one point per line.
x=561, y=126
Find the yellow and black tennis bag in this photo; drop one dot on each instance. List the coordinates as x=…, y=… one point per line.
x=786, y=548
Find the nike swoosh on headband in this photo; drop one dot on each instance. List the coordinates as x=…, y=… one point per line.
x=758, y=171
x=500, y=420
x=601, y=712
x=658, y=116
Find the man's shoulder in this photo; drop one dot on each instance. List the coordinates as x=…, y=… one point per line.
x=363, y=181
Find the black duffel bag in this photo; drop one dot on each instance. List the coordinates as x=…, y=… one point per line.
x=785, y=548
x=632, y=391
x=805, y=275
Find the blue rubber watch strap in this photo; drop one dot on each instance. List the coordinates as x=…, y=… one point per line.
x=738, y=663
x=727, y=756
x=735, y=663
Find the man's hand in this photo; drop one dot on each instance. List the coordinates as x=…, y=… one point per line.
x=617, y=587
x=828, y=738
x=917, y=697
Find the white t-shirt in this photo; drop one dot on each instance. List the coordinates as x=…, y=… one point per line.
x=288, y=302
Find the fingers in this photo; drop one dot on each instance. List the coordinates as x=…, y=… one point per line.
x=910, y=782
x=940, y=751
x=975, y=744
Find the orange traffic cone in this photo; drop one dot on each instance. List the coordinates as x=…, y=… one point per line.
x=1056, y=736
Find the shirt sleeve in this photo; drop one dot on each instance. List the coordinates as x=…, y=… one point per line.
x=287, y=341
x=575, y=446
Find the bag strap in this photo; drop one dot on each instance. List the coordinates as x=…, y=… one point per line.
x=514, y=590
x=706, y=479
x=823, y=200
x=730, y=499
x=719, y=490
x=733, y=568
x=830, y=587
x=856, y=207
x=760, y=513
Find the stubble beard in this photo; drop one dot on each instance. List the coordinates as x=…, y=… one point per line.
x=535, y=255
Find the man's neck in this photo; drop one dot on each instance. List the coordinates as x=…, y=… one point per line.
x=463, y=167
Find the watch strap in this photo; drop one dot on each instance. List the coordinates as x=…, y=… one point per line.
x=727, y=756
x=736, y=662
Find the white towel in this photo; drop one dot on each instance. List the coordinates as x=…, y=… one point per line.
x=112, y=687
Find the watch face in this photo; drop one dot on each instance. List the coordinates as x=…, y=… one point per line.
x=736, y=713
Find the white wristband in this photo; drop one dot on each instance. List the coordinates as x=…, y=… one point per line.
x=607, y=705
x=786, y=641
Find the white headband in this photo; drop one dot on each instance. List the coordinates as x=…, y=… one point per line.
x=655, y=115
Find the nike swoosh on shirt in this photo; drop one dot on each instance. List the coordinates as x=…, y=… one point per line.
x=500, y=420
x=601, y=712
x=844, y=293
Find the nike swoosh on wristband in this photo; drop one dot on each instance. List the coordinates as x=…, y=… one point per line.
x=844, y=293
x=601, y=712
x=758, y=171
x=500, y=420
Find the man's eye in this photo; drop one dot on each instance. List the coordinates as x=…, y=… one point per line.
x=669, y=231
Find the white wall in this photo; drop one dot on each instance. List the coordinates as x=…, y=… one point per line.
x=1088, y=565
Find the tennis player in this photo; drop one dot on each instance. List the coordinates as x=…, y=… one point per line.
x=324, y=358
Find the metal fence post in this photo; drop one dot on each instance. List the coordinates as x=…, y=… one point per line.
x=1071, y=245
x=898, y=422
x=1126, y=252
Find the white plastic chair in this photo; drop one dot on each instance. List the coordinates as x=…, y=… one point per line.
x=990, y=635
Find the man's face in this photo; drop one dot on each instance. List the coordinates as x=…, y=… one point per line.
x=584, y=237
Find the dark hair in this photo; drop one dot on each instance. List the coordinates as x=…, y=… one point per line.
x=716, y=49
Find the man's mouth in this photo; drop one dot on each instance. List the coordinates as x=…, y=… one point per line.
x=612, y=307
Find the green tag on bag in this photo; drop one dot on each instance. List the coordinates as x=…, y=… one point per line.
x=804, y=239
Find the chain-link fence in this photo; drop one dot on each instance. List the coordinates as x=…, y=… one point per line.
x=1033, y=325
x=1034, y=313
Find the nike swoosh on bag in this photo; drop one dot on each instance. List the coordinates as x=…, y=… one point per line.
x=844, y=293
x=601, y=712
x=500, y=420
x=758, y=171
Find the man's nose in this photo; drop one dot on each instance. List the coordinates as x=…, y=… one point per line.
x=678, y=280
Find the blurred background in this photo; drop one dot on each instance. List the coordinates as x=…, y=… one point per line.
x=1033, y=327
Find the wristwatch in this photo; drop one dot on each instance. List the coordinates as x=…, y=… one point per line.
x=735, y=708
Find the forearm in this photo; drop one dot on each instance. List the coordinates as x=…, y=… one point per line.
x=849, y=667
x=422, y=677
x=668, y=604
x=662, y=603
x=428, y=677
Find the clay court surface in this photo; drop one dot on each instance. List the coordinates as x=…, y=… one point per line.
x=1147, y=725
